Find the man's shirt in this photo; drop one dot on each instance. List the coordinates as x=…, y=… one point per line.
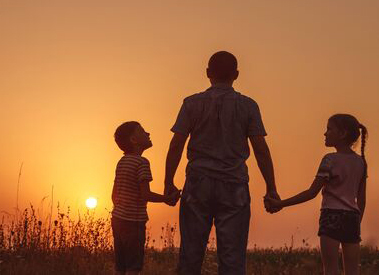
x=219, y=122
x=131, y=171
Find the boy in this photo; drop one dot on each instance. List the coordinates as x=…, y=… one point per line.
x=130, y=194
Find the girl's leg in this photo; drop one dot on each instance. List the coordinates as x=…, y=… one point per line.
x=329, y=253
x=351, y=258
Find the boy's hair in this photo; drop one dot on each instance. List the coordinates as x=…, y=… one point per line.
x=223, y=65
x=353, y=129
x=122, y=135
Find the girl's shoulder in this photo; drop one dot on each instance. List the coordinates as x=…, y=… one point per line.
x=343, y=158
x=328, y=157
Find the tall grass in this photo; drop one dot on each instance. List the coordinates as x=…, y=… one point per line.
x=33, y=245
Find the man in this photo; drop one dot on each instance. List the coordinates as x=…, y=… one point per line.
x=219, y=122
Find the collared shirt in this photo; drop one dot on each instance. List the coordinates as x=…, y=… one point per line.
x=343, y=174
x=131, y=171
x=219, y=122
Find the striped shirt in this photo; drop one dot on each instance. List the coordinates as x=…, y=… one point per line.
x=131, y=171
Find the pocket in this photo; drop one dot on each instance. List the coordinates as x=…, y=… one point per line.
x=236, y=194
x=330, y=220
x=195, y=189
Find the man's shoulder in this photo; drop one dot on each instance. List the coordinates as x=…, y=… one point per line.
x=196, y=96
x=246, y=99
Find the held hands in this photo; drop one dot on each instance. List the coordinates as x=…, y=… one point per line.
x=272, y=202
x=173, y=194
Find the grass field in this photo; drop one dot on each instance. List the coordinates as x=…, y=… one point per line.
x=64, y=246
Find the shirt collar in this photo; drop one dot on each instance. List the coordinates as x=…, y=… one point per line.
x=221, y=86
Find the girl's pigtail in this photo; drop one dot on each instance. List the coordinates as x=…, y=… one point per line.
x=363, y=145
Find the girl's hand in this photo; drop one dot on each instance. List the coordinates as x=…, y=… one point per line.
x=271, y=203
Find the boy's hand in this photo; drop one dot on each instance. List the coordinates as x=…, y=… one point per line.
x=173, y=198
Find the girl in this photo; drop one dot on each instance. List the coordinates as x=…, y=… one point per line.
x=342, y=178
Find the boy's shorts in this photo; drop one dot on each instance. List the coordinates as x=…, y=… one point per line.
x=341, y=225
x=129, y=242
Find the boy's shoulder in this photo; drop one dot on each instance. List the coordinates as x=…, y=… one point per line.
x=133, y=159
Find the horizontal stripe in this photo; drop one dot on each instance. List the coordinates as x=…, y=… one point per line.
x=130, y=171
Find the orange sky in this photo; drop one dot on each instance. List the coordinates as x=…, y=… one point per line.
x=72, y=71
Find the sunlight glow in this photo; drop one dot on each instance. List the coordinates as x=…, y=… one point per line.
x=91, y=202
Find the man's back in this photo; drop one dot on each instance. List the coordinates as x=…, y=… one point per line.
x=219, y=121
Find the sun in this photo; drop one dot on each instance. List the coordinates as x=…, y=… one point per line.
x=91, y=202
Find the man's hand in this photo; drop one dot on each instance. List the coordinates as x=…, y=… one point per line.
x=170, y=188
x=271, y=202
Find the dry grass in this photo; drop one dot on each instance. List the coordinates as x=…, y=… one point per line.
x=29, y=245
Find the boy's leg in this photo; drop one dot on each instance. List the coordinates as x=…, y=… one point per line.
x=195, y=222
x=118, y=245
x=329, y=254
x=351, y=258
x=232, y=220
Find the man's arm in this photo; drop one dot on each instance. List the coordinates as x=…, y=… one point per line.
x=172, y=161
x=263, y=157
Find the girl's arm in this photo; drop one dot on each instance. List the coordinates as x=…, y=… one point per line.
x=361, y=199
x=304, y=196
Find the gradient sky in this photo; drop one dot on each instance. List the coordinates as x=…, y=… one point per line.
x=72, y=71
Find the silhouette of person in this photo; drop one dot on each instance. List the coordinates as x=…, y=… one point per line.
x=219, y=121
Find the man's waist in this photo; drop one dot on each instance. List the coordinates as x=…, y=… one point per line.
x=232, y=174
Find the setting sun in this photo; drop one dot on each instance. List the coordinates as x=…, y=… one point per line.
x=91, y=202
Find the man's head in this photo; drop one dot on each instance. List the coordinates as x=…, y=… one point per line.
x=222, y=68
x=130, y=137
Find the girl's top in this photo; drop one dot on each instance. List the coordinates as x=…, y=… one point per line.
x=131, y=171
x=343, y=173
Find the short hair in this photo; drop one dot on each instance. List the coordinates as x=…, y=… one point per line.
x=123, y=133
x=223, y=65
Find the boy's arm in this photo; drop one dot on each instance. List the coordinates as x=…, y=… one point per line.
x=172, y=161
x=263, y=157
x=147, y=195
x=114, y=195
x=304, y=196
x=361, y=199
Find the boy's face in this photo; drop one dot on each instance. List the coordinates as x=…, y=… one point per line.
x=141, y=138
